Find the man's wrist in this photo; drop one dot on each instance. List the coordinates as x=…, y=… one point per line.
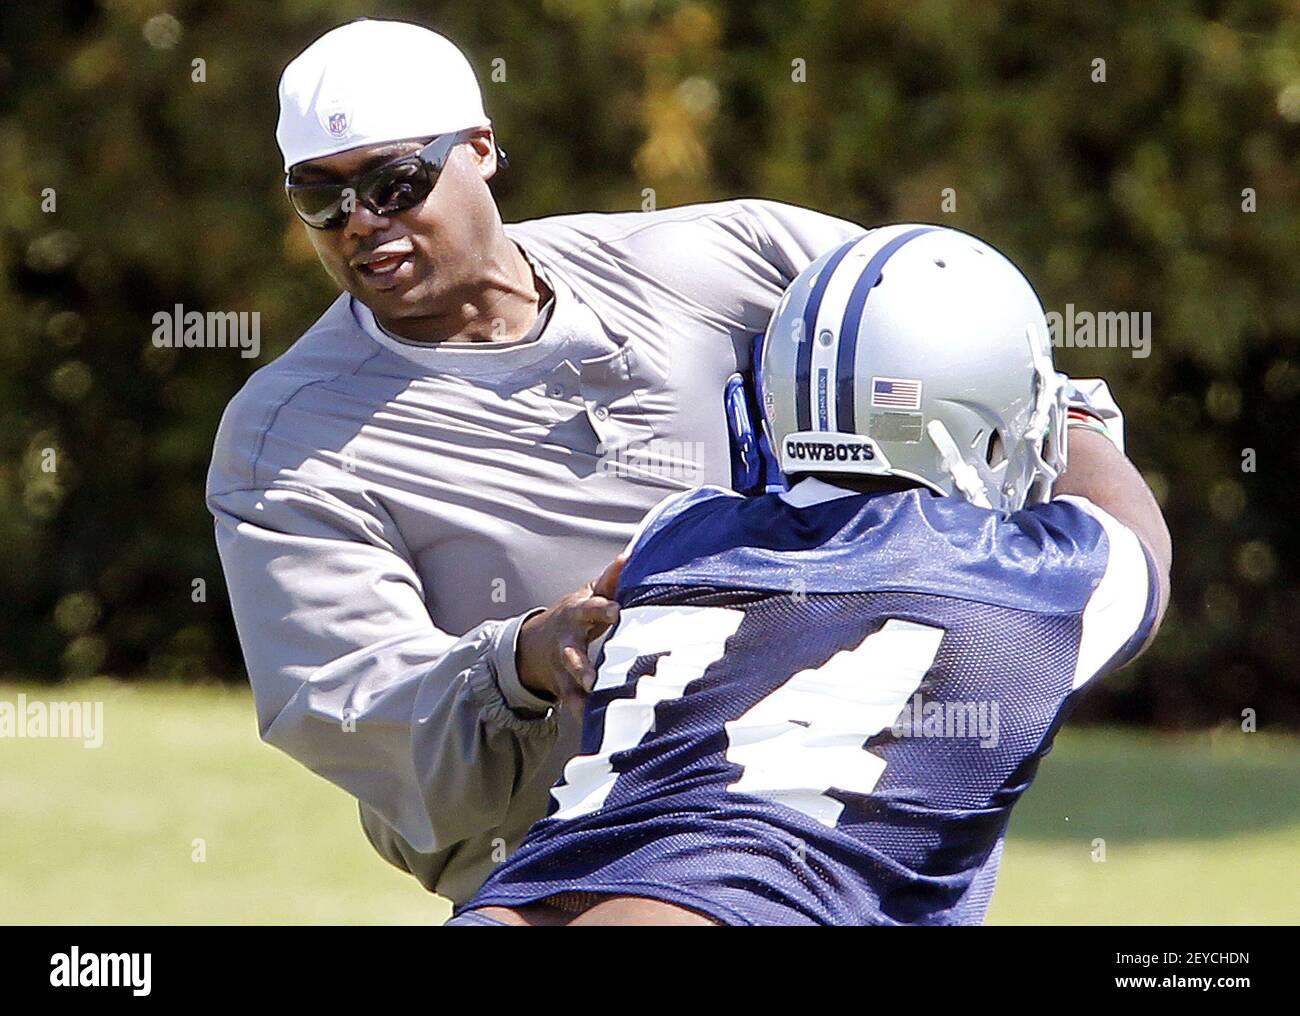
x=1091, y=397
x=1078, y=418
x=505, y=665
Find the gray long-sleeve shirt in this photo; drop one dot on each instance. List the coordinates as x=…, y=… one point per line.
x=388, y=512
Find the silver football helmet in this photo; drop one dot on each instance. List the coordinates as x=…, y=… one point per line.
x=918, y=352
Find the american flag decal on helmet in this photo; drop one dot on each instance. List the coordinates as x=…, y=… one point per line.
x=896, y=392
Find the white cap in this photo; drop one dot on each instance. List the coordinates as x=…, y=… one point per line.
x=372, y=82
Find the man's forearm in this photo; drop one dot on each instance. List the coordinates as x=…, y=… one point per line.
x=351, y=678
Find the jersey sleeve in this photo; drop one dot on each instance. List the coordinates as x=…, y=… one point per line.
x=1120, y=608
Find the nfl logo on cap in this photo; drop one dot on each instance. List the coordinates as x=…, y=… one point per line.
x=335, y=117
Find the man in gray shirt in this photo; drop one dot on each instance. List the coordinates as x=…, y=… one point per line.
x=472, y=430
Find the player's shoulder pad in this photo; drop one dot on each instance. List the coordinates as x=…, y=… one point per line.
x=1122, y=606
x=1077, y=528
x=666, y=512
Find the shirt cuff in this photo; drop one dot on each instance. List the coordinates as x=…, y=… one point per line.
x=504, y=668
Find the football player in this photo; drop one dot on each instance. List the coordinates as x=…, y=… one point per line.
x=820, y=706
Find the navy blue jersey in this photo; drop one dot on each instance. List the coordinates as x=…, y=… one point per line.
x=819, y=707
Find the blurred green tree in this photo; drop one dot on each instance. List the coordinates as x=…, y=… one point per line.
x=1132, y=157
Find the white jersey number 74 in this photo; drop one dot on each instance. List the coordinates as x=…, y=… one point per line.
x=795, y=744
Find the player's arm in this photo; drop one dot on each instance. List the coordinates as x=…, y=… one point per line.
x=432, y=733
x=1099, y=472
x=790, y=237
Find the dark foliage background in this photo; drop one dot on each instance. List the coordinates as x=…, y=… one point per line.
x=1119, y=195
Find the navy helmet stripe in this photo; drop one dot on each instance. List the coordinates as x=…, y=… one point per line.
x=803, y=361
x=846, y=355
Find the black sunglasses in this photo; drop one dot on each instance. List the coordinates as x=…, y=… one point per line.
x=386, y=190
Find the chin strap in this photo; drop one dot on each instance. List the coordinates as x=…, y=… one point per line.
x=964, y=476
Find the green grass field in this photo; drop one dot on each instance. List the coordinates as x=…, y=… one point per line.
x=1197, y=828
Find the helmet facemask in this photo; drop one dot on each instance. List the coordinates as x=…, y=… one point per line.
x=1045, y=437
x=1033, y=446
